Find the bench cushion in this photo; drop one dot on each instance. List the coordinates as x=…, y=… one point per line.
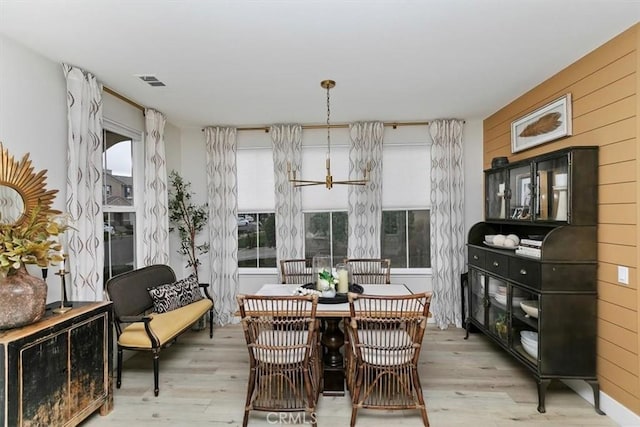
x=165, y=326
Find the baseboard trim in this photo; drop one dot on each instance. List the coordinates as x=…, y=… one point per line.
x=614, y=410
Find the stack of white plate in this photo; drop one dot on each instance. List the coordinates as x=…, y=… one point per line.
x=529, y=340
x=501, y=294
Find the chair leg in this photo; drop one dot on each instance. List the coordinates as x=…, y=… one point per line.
x=156, y=369
x=419, y=394
x=119, y=368
x=251, y=385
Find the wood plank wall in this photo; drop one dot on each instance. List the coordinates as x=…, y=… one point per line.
x=606, y=108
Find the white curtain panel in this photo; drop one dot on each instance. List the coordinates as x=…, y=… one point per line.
x=365, y=201
x=222, y=189
x=84, y=185
x=155, y=236
x=287, y=152
x=447, y=221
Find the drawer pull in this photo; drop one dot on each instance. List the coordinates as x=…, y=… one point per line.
x=523, y=271
x=495, y=263
x=475, y=257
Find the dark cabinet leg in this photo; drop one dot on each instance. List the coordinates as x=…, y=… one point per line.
x=467, y=325
x=596, y=395
x=542, y=390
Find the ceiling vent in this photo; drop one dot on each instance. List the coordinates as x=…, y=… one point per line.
x=150, y=79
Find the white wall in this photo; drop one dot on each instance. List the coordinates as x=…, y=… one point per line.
x=33, y=120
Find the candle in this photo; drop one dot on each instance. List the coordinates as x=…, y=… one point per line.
x=501, y=188
x=343, y=281
x=62, y=255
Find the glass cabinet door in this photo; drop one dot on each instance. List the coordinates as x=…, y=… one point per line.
x=520, y=193
x=477, y=295
x=496, y=194
x=498, y=315
x=552, y=185
x=524, y=323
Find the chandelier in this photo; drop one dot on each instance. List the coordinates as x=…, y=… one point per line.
x=328, y=180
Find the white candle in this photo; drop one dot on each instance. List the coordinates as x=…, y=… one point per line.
x=62, y=255
x=501, y=188
x=343, y=281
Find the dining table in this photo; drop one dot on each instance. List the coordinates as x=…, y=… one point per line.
x=332, y=311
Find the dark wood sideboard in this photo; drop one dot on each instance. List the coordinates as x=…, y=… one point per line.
x=57, y=371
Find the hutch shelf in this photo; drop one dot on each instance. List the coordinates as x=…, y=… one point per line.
x=550, y=203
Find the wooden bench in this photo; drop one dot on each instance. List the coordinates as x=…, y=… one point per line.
x=138, y=327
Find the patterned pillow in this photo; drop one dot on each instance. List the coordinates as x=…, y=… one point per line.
x=175, y=295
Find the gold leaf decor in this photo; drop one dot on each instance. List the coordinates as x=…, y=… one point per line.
x=31, y=186
x=545, y=124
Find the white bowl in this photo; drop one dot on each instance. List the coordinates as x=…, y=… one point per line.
x=530, y=307
x=489, y=238
x=515, y=301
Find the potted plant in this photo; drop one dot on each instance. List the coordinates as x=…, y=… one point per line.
x=189, y=219
x=23, y=297
x=502, y=326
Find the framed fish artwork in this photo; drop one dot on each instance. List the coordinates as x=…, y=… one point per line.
x=547, y=123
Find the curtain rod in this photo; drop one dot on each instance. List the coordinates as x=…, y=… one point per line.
x=123, y=98
x=393, y=125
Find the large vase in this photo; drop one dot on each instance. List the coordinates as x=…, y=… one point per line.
x=23, y=299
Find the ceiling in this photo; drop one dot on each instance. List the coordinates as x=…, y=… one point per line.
x=242, y=62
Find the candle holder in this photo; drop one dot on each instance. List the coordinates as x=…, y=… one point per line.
x=63, y=294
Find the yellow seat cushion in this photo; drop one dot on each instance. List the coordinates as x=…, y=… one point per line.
x=165, y=326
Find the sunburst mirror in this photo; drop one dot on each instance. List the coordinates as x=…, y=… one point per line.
x=22, y=190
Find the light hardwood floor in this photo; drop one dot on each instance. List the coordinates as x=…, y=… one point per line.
x=466, y=383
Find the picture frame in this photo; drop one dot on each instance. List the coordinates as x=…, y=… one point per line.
x=523, y=190
x=547, y=123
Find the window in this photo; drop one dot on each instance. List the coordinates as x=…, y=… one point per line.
x=119, y=202
x=256, y=206
x=257, y=240
x=326, y=233
x=406, y=238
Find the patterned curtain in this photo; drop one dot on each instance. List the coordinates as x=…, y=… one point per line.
x=222, y=189
x=365, y=202
x=287, y=152
x=84, y=185
x=155, y=236
x=447, y=220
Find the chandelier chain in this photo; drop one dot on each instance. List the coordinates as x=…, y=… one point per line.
x=328, y=127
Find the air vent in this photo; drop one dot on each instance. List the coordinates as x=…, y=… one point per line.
x=150, y=79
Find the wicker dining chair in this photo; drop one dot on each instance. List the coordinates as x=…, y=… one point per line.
x=296, y=271
x=285, y=367
x=370, y=270
x=385, y=337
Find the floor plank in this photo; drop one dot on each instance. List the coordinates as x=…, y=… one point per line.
x=466, y=383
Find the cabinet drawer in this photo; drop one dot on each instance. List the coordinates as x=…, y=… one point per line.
x=525, y=271
x=476, y=257
x=496, y=263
